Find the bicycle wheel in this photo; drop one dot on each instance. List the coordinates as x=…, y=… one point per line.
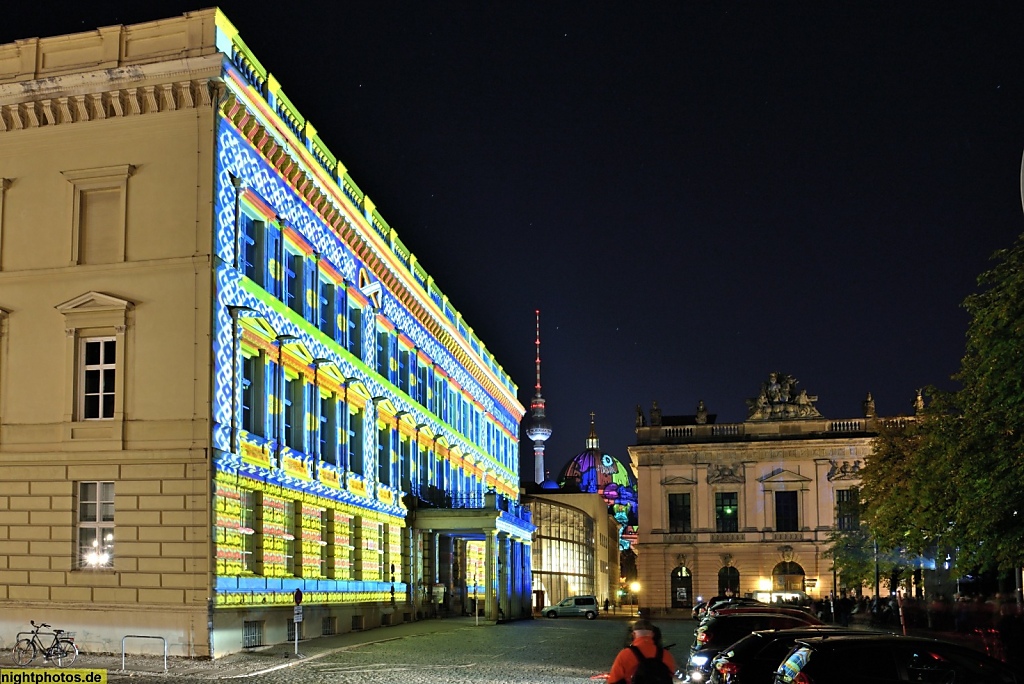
x=64, y=653
x=24, y=652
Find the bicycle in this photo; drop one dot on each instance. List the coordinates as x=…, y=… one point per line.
x=62, y=651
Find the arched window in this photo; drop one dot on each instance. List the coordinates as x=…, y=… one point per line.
x=729, y=581
x=682, y=587
x=787, y=576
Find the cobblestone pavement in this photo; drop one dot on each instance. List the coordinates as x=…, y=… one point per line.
x=453, y=650
x=456, y=651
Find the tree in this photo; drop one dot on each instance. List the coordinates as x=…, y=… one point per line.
x=953, y=476
x=982, y=433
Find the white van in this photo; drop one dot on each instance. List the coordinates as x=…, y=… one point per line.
x=574, y=606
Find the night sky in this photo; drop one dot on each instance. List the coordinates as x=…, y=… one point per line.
x=693, y=194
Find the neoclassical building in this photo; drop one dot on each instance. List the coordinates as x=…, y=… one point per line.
x=744, y=508
x=224, y=379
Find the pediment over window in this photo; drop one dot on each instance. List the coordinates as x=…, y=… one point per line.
x=95, y=310
x=782, y=475
x=678, y=481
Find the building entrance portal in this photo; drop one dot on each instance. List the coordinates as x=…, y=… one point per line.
x=788, y=576
x=729, y=581
x=682, y=587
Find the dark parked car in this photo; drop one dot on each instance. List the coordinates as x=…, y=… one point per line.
x=717, y=632
x=779, y=610
x=754, y=658
x=888, y=659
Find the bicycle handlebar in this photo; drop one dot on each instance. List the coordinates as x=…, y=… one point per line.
x=40, y=625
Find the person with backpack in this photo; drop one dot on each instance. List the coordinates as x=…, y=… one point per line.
x=644, y=661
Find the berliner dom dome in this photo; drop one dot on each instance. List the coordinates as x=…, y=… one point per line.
x=594, y=472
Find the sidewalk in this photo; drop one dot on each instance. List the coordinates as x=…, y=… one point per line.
x=254, y=662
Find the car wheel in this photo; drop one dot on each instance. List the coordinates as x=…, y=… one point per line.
x=591, y=615
x=552, y=614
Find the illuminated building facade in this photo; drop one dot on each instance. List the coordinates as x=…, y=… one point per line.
x=744, y=508
x=224, y=378
x=574, y=547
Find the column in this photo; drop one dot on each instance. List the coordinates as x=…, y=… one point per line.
x=491, y=575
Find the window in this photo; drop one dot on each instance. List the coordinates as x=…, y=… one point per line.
x=383, y=353
x=253, y=395
x=293, y=413
x=97, y=202
x=786, y=517
x=679, y=513
x=355, y=440
x=384, y=453
x=254, y=244
x=403, y=370
x=326, y=315
x=252, y=633
x=382, y=551
x=355, y=330
x=326, y=543
x=726, y=512
x=288, y=526
x=98, y=381
x=95, y=524
x=328, y=432
x=847, y=509
x=294, y=282
x=247, y=504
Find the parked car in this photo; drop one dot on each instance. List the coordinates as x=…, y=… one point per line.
x=717, y=632
x=755, y=658
x=781, y=610
x=888, y=659
x=733, y=602
x=574, y=606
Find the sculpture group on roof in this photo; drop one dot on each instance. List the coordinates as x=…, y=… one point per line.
x=779, y=399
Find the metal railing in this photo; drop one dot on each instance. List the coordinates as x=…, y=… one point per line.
x=142, y=636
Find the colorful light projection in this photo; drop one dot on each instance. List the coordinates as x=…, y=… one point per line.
x=591, y=471
x=298, y=492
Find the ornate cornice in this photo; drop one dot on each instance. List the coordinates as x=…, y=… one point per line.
x=111, y=104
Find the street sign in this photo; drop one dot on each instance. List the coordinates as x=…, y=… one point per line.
x=298, y=614
x=298, y=596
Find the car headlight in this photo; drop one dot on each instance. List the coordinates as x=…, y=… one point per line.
x=696, y=676
x=699, y=660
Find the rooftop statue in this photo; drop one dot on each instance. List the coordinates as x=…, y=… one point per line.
x=779, y=399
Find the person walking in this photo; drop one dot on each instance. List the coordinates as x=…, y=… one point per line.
x=644, y=659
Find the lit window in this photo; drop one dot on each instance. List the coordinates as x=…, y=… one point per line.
x=726, y=512
x=98, y=375
x=96, y=524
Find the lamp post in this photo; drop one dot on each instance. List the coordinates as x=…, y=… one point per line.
x=634, y=589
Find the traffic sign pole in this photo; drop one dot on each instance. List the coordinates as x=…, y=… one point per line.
x=297, y=618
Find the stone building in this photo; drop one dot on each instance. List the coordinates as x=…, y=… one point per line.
x=744, y=508
x=224, y=379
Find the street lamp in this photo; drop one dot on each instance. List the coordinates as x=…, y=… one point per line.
x=634, y=589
